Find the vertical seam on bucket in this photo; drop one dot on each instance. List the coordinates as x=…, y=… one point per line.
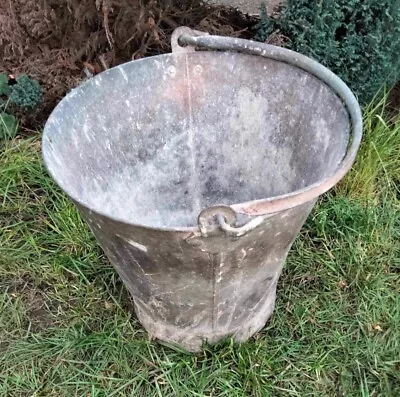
x=236, y=295
x=216, y=263
x=193, y=172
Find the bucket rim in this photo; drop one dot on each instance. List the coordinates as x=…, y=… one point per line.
x=270, y=205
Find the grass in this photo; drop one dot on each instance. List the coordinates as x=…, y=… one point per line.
x=377, y=164
x=67, y=326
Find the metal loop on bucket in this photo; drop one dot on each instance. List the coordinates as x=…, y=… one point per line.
x=241, y=230
x=223, y=218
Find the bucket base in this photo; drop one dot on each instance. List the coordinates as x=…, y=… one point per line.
x=192, y=339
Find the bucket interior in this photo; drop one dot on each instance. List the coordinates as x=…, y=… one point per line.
x=155, y=141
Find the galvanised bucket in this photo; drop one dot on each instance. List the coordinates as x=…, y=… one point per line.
x=196, y=170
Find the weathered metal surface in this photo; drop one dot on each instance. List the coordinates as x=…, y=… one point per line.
x=196, y=170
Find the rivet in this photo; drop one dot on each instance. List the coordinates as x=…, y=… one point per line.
x=172, y=71
x=198, y=69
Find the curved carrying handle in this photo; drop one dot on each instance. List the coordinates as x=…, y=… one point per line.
x=186, y=39
x=196, y=40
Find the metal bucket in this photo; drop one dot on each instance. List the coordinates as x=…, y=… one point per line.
x=196, y=170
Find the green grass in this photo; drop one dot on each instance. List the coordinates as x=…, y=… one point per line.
x=377, y=165
x=67, y=326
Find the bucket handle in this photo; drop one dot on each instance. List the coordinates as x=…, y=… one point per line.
x=219, y=218
x=185, y=40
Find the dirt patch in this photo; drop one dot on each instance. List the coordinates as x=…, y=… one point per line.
x=55, y=41
x=34, y=298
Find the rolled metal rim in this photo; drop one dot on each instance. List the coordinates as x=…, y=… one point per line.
x=289, y=200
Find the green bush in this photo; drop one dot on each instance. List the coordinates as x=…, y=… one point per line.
x=27, y=93
x=357, y=39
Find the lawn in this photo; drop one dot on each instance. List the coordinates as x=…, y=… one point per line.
x=67, y=326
